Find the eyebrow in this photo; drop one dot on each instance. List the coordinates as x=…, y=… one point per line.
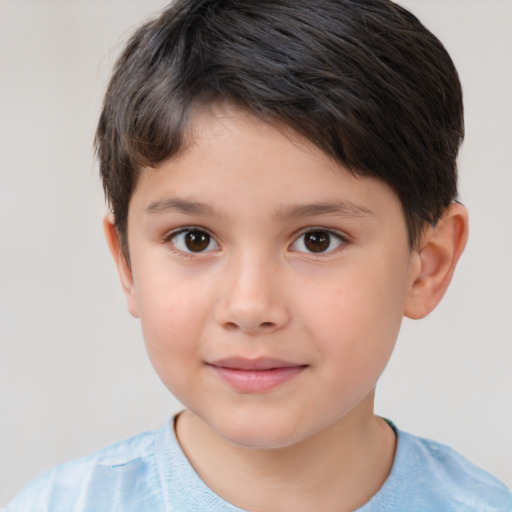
x=180, y=205
x=337, y=208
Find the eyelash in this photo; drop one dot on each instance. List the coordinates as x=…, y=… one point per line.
x=342, y=240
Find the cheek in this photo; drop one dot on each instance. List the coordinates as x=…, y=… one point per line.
x=171, y=314
x=170, y=322
x=356, y=322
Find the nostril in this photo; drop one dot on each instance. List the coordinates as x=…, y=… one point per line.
x=263, y=326
x=231, y=326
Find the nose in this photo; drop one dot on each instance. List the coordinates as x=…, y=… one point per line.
x=252, y=298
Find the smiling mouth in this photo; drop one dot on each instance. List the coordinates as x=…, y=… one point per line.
x=256, y=375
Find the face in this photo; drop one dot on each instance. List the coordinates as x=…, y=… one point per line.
x=269, y=281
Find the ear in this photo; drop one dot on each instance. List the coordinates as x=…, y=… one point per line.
x=122, y=264
x=440, y=248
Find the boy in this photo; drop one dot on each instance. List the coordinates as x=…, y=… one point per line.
x=282, y=181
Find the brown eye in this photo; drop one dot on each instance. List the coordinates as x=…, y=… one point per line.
x=318, y=241
x=193, y=240
x=197, y=241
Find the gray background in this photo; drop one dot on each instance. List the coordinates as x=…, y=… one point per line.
x=74, y=373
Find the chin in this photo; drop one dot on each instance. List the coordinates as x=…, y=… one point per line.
x=262, y=435
x=261, y=441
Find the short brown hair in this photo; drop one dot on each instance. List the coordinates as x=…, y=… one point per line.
x=364, y=80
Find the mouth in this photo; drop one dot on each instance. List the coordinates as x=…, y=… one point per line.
x=256, y=375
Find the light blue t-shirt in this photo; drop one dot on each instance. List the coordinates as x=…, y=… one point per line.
x=150, y=473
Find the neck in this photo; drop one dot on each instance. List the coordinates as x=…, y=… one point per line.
x=339, y=468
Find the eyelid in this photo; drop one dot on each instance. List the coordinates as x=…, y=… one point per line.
x=173, y=232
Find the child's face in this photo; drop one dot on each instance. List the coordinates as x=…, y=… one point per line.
x=253, y=251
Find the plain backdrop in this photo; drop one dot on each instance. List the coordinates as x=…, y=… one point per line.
x=74, y=373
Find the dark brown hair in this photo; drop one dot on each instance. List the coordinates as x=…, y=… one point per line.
x=364, y=80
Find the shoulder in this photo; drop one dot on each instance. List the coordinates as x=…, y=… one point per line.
x=445, y=479
x=120, y=471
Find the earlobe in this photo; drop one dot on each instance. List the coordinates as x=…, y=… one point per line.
x=122, y=264
x=440, y=249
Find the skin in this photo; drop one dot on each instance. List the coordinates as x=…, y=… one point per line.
x=256, y=290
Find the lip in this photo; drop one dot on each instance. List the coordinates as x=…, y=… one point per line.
x=256, y=375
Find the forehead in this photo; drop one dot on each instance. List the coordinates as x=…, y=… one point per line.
x=233, y=159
